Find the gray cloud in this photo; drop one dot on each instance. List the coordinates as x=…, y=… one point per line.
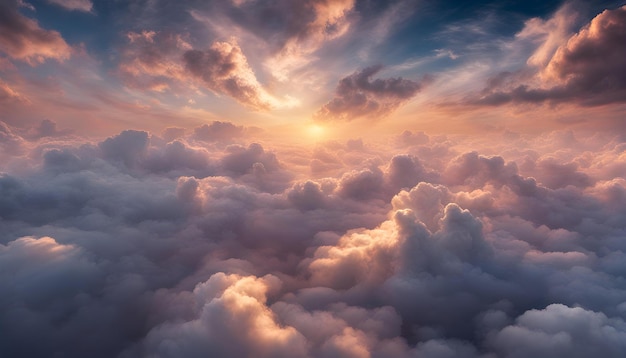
x=218, y=131
x=358, y=95
x=74, y=5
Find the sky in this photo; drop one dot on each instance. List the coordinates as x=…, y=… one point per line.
x=315, y=178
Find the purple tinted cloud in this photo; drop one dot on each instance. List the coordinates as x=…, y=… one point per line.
x=358, y=95
x=147, y=247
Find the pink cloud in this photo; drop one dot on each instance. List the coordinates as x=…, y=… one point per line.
x=21, y=37
x=584, y=69
x=77, y=5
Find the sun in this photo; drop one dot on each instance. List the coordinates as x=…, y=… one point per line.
x=315, y=130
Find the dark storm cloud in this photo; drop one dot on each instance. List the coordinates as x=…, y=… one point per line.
x=358, y=95
x=586, y=69
x=21, y=37
x=145, y=247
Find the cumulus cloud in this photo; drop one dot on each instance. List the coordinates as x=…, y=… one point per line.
x=21, y=38
x=218, y=131
x=146, y=246
x=226, y=307
x=46, y=128
x=358, y=95
x=560, y=330
x=585, y=68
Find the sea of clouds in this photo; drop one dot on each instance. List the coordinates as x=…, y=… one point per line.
x=212, y=242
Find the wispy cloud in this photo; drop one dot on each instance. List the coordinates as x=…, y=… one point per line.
x=74, y=5
x=583, y=69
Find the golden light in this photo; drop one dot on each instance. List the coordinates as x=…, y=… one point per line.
x=315, y=130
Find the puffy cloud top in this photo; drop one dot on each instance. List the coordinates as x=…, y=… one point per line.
x=585, y=68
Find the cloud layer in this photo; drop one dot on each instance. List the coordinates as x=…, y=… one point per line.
x=209, y=243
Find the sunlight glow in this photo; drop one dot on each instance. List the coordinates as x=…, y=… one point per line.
x=316, y=131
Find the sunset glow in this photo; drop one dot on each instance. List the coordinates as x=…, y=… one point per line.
x=314, y=178
x=316, y=131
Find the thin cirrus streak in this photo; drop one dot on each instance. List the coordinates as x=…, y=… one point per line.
x=312, y=179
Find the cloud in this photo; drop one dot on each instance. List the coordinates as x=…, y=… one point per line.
x=560, y=330
x=296, y=29
x=226, y=307
x=584, y=68
x=223, y=68
x=127, y=147
x=77, y=5
x=11, y=143
x=591, y=60
x=151, y=60
x=21, y=38
x=164, y=61
x=218, y=131
x=192, y=246
x=8, y=94
x=550, y=33
x=46, y=128
x=358, y=96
